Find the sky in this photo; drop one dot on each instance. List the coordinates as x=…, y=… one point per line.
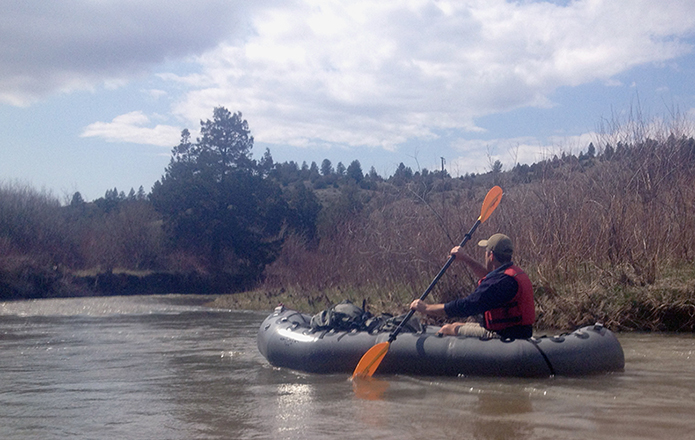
x=94, y=94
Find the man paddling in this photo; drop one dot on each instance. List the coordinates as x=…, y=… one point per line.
x=504, y=295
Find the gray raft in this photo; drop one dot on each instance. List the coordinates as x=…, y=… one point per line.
x=286, y=340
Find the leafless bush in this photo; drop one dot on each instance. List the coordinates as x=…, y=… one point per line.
x=129, y=237
x=30, y=223
x=583, y=227
x=34, y=225
x=397, y=243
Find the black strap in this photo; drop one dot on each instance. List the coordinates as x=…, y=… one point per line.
x=547, y=361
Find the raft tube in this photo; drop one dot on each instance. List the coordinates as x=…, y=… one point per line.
x=285, y=339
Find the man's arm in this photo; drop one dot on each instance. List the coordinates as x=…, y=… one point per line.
x=427, y=309
x=478, y=269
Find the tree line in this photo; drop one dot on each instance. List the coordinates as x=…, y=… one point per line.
x=607, y=235
x=222, y=220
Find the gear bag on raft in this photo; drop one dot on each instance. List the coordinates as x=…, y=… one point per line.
x=346, y=316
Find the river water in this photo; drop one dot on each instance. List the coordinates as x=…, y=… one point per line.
x=167, y=367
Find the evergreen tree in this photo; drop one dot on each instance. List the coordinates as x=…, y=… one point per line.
x=591, y=150
x=326, y=168
x=314, y=172
x=608, y=152
x=76, y=200
x=402, y=175
x=304, y=210
x=218, y=203
x=354, y=171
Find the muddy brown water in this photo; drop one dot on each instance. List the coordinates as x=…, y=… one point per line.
x=167, y=367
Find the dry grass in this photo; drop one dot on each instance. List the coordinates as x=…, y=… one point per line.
x=609, y=238
x=598, y=237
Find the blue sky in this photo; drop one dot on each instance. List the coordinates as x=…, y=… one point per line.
x=94, y=94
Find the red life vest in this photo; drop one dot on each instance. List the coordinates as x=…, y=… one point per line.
x=519, y=311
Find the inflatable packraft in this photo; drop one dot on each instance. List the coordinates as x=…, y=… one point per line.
x=287, y=339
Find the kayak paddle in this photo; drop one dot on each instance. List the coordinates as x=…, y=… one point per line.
x=373, y=357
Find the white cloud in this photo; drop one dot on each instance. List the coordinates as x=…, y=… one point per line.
x=377, y=74
x=131, y=127
x=477, y=156
x=50, y=47
x=155, y=93
x=349, y=73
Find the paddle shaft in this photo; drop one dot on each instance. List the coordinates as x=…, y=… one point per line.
x=373, y=357
x=451, y=259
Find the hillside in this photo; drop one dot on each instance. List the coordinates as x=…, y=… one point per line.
x=607, y=235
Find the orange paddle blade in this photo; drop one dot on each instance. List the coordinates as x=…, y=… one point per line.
x=371, y=360
x=369, y=388
x=492, y=199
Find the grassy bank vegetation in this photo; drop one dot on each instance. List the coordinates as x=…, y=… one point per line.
x=606, y=235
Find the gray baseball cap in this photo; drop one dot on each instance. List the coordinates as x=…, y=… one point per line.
x=499, y=244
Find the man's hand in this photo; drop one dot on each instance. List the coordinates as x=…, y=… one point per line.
x=418, y=306
x=427, y=309
x=450, y=329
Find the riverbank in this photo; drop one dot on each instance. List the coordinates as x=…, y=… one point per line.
x=33, y=281
x=665, y=307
